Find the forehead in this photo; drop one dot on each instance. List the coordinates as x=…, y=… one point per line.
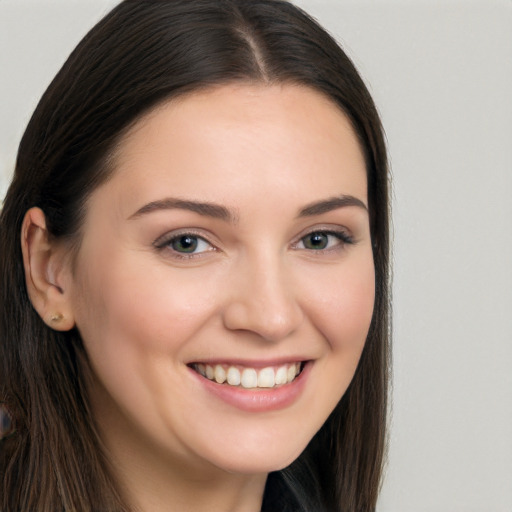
x=242, y=139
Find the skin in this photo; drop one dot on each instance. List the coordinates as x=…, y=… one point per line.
x=253, y=291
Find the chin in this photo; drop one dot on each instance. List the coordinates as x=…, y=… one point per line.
x=257, y=458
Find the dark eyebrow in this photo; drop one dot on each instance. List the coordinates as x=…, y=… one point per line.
x=330, y=204
x=202, y=208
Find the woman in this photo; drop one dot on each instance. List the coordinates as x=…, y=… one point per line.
x=194, y=257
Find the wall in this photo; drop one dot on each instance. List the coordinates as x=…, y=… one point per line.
x=441, y=73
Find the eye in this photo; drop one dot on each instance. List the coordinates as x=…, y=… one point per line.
x=189, y=244
x=324, y=240
x=184, y=244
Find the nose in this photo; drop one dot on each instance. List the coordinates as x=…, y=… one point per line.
x=262, y=300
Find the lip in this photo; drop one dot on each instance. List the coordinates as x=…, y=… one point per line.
x=257, y=400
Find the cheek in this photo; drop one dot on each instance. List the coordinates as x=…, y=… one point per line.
x=342, y=311
x=338, y=300
x=140, y=307
x=343, y=306
x=136, y=323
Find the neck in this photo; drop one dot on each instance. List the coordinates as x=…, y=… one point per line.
x=150, y=489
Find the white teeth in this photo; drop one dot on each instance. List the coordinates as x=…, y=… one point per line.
x=234, y=376
x=281, y=376
x=266, y=378
x=220, y=374
x=291, y=373
x=249, y=378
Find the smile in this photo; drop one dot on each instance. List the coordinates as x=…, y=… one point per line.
x=247, y=377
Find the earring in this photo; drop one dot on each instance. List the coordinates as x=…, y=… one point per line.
x=56, y=318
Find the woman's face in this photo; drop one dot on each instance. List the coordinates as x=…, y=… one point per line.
x=232, y=242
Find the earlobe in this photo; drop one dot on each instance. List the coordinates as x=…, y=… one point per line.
x=45, y=267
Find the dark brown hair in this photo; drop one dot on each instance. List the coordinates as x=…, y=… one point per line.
x=141, y=54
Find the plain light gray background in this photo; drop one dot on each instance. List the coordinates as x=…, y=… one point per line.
x=441, y=74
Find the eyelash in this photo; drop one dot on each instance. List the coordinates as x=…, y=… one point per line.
x=165, y=242
x=342, y=237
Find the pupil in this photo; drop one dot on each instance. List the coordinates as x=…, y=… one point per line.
x=317, y=241
x=185, y=244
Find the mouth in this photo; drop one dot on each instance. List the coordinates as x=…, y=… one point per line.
x=246, y=377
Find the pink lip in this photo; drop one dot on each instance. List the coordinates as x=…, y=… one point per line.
x=260, y=400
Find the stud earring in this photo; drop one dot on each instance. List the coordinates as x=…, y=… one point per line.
x=56, y=318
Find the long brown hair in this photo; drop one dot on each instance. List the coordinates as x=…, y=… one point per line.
x=141, y=54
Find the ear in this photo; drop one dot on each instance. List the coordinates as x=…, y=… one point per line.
x=47, y=272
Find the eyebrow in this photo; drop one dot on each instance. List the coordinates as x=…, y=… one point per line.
x=331, y=204
x=217, y=211
x=202, y=208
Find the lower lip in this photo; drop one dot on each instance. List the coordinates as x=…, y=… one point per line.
x=261, y=399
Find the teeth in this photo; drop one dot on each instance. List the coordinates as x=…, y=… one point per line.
x=266, y=378
x=234, y=377
x=220, y=374
x=292, y=371
x=281, y=376
x=250, y=378
x=201, y=369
